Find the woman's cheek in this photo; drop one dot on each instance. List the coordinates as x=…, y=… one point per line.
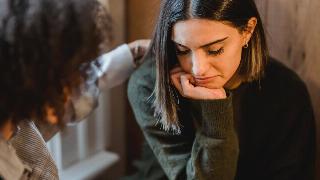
x=185, y=65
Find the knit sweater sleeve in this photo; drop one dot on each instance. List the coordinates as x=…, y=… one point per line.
x=211, y=153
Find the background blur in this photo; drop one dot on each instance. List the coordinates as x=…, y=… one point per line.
x=110, y=140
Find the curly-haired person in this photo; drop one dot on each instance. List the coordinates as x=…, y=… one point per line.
x=47, y=72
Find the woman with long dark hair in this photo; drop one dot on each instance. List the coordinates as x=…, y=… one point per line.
x=211, y=102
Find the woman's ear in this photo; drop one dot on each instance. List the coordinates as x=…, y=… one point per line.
x=249, y=29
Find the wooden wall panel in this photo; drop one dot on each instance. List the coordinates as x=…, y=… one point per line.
x=293, y=30
x=141, y=15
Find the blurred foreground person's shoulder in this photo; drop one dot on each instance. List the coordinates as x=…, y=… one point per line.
x=43, y=44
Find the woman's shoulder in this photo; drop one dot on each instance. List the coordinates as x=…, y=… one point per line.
x=279, y=73
x=143, y=78
x=283, y=80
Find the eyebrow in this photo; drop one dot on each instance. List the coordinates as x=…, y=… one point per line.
x=206, y=45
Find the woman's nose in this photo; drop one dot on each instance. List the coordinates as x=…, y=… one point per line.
x=199, y=64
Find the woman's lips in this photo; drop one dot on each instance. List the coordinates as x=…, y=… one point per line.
x=204, y=80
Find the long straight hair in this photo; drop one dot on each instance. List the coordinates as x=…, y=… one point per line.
x=235, y=12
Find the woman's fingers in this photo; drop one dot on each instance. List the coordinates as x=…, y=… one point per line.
x=186, y=85
x=196, y=92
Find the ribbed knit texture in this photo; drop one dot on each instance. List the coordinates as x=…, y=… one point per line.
x=216, y=116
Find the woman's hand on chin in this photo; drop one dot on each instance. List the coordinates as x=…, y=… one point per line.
x=184, y=83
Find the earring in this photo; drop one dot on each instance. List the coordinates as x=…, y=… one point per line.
x=246, y=45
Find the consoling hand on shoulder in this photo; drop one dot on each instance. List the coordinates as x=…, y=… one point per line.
x=138, y=49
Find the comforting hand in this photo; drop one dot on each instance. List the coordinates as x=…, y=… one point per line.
x=138, y=49
x=185, y=84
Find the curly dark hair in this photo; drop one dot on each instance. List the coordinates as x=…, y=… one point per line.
x=42, y=45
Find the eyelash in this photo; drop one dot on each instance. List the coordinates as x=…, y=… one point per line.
x=213, y=53
x=180, y=53
x=217, y=52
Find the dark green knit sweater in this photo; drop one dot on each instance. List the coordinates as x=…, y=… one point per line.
x=263, y=130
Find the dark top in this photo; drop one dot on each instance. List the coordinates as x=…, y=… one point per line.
x=263, y=130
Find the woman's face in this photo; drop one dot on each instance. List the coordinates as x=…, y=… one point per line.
x=209, y=50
